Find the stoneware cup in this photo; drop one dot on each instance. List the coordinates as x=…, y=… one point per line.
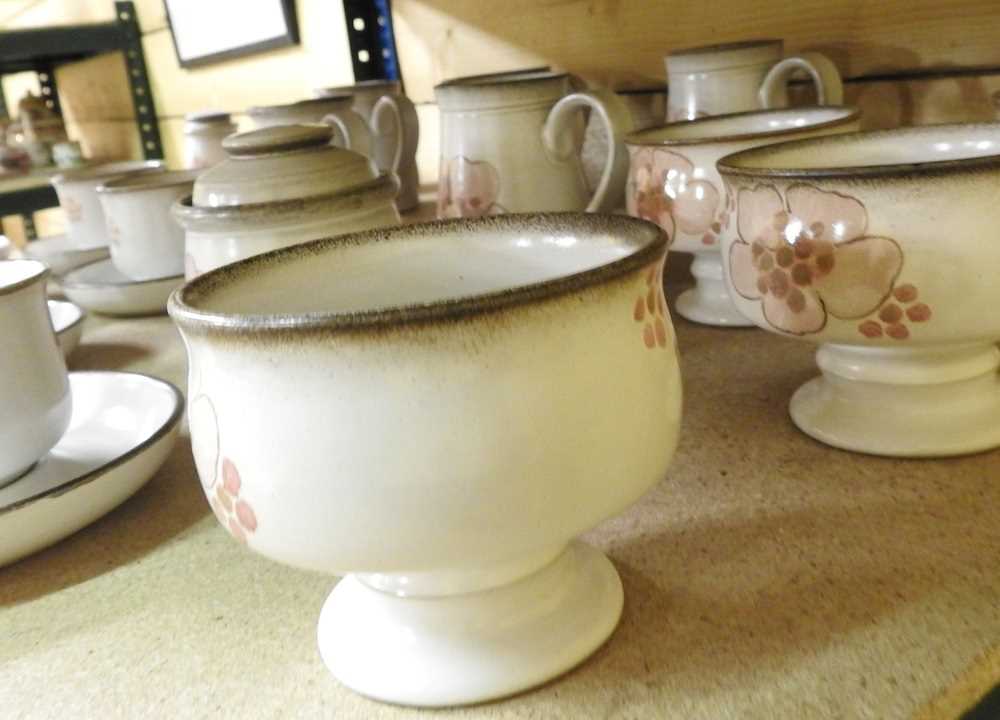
x=34, y=388
x=351, y=130
x=146, y=242
x=427, y=410
x=738, y=77
x=673, y=182
x=511, y=143
x=880, y=247
x=77, y=192
x=395, y=130
x=203, y=136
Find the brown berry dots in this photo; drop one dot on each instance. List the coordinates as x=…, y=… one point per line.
x=918, y=313
x=870, y=328
x=905, y=293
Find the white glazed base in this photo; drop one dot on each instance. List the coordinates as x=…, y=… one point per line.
x=708, y=302
x=435, y=651
x=914, y=402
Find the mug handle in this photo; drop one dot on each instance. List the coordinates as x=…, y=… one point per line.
x=407, y=134
x=824, y=74
x=561, y=144
x=350, y=131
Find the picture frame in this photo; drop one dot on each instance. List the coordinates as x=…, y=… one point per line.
x=217, y=30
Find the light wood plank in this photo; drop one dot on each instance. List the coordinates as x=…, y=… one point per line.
x=95, y=90
x=622, y=42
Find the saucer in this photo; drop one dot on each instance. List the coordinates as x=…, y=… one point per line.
x=67, y=321
x=101, y=287
x=61, y=255
x=123, y=427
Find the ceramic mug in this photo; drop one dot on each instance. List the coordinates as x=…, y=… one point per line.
x=395, y=131
x=146, y=242
x=34, y=388
x=77, y=192
x=351, y=130
x=511, y=143
x=673, y=182
x=738, y=77
x=203, y=135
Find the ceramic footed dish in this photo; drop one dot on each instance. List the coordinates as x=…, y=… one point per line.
x=876, y=246
x=412, y=424
x=100, y=287
x=61, y=255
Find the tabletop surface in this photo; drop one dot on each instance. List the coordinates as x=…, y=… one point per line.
x=767, y=576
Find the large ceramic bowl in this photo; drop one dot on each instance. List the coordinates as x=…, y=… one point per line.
x=673, y=182
x=438, y=410
x=880, y=247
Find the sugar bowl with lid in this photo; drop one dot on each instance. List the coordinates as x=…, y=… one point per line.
x=280, y=186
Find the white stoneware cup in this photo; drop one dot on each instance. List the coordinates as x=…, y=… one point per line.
x=203, y=136
x=427, y=410
x=511, y=143
x=738, y=77
x=880, y=247
x=351, y=130
x=35, y=401
x=673, y=182
x=146, y=242
x=77, y=192
x=395, y=130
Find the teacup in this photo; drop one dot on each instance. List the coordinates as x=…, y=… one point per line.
x=880, y=247
x=145, y=240
x=430, y=413
x=673, y=182
x=350, y=129
x=34, y=388
x=510, y=142
x=203, y=136
x=395, y=130
x=744, y=76
x=77, y=192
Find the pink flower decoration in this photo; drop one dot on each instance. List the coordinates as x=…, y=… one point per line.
x=662, y=188
x=806, y=255
x=468, y=188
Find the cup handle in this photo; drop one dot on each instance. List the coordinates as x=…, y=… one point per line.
x=350, y=131
x=824, y=74
x=561, y=144
x=407, y=134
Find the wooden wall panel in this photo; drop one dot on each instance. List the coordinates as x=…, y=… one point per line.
x=622, y=42
x=37, y=13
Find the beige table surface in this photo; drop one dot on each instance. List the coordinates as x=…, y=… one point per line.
x=767, y=576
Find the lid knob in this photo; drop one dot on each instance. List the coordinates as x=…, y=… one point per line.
x=277, y=139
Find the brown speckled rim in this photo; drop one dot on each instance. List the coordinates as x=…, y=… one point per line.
x=511, y=78
x=847, y=116
x=137, y=182
x=107, y=171
x=41, y=273
x=166, y=428
x=648, y=240
x=723, y=47
x=66, y=281
x=730, y=164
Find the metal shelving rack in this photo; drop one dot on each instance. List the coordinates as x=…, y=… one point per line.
x=41, y=50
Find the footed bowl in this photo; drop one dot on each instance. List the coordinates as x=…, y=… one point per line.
x=881, y=247
x=437, y=411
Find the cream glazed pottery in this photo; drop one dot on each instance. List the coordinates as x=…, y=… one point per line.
x=743, y=76
x=62, y=255
x=351, y=130
x=67, y=321
x=203, y=136
x=673, y=182
x=511, y=143
x=77, y=191
x=101, y=287
x=35, y=402
x=146, y=242
x=394, y=406
x=122, y=430
x=880, y=247
x=280, y=186
x=395, y=131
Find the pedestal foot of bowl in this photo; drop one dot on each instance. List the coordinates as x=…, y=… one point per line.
x=470, y=647
x=708, y=302
x=914, y=402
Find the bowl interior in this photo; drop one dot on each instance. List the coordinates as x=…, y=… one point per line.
x=421, y=265
x=882, y=149
x=743, y=125
x=14, y=273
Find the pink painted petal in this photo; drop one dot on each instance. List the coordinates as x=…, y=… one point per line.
x=862, y=277
x=742, y=273
x=694, y=206
x=841, y=217
x=756, y=212
x=667, y=164
x=474, y=185
x=808, y=317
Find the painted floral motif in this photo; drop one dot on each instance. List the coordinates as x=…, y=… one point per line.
x=806, y=256
x=71, y=206
x=663, y=187
x=234, y=513
x=650, y=310
x=468, y=188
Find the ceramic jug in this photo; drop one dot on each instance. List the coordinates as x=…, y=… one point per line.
x=739, y=77
x=350, y=130
x=511, y=143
